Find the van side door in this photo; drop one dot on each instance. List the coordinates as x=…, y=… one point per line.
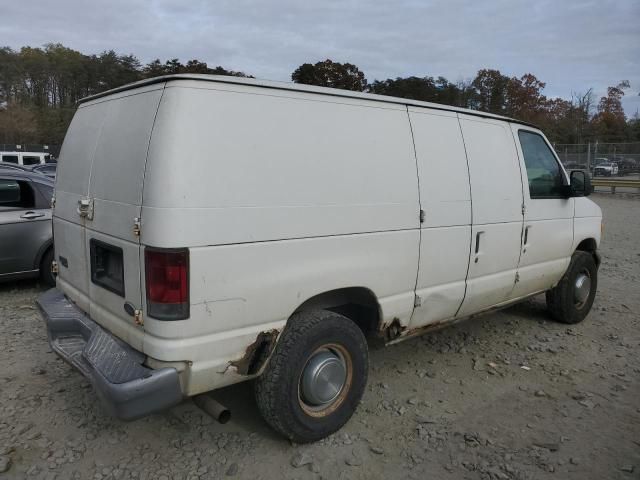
x=496, y=193
x=547, y=236
x=445, y=229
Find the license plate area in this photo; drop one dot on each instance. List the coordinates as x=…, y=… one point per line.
x=107, y=266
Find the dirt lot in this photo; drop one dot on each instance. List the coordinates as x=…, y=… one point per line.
x=458, y=404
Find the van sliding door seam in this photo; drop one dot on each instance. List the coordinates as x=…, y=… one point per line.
x=415, y=157
x=466, y=157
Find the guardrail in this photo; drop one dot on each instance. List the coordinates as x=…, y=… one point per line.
x=601, y=182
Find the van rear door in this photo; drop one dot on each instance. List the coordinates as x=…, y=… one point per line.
x=115, y=190
x=72, y=186
x=110, y=209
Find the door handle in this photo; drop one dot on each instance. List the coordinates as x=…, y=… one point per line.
x=32, y=215
x=477, y=250
x=526, y=234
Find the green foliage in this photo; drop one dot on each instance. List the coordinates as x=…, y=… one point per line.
x=426, y=89
x=40, y=87
x=331, y=74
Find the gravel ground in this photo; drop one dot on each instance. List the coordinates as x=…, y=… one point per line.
x=457, y=404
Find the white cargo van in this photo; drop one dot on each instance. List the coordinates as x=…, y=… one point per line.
x=210, y=230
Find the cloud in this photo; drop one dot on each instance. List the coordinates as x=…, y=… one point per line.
x=572, y=45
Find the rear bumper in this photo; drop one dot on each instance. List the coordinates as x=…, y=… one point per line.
x=128, y=388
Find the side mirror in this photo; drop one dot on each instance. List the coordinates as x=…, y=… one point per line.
x=580, y=183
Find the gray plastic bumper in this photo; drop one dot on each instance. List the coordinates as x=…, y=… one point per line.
x=128, y=388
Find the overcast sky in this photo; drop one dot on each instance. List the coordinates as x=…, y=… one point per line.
x=571, y=45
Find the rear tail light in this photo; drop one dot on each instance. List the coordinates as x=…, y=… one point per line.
x=167, y=282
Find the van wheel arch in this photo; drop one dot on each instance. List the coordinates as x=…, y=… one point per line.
x=359, y=304
x=590, y=245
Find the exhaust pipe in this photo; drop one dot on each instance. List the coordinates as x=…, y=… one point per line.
x=213, y=408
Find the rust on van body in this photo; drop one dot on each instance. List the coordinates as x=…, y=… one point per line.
x=396, y=332
x=256, y=354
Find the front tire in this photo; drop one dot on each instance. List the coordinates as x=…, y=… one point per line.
x=315, y=377
x=571, y=300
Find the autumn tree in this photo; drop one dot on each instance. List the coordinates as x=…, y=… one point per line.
x=331, y=74
x=610, y=121
x=524, y=99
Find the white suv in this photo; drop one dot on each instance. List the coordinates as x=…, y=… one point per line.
x=606, y=169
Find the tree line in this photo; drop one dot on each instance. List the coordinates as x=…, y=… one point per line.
x=40, y=87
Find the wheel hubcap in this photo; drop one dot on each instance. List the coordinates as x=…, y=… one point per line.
x=323, y=378
x=582, y=288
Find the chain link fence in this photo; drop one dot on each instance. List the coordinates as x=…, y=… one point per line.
x=587, y=155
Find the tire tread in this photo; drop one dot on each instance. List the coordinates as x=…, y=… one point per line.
x=560, y=298
x=268, y=387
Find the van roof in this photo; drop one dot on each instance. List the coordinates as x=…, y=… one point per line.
x=298, y=87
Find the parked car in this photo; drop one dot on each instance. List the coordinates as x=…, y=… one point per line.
x=14, y=167
x=628, y=167
x=575, y=166
x=606, y=169
x=26, y=249
x=48, y=169
x=25, y=158
x=326, y=217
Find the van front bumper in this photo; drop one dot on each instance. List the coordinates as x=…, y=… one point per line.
x=129, y=389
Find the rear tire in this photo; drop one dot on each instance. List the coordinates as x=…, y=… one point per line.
x=46, y=275
x=280, y=390
x=570, y=302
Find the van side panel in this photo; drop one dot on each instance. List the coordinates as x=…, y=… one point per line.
x=255, y=165
x=249, y=288
x=280, y=196
x=445, y=197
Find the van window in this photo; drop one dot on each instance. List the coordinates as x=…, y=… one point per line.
x=16, y=194
x=30, y=160
x=543, y=171
x=10, y=159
